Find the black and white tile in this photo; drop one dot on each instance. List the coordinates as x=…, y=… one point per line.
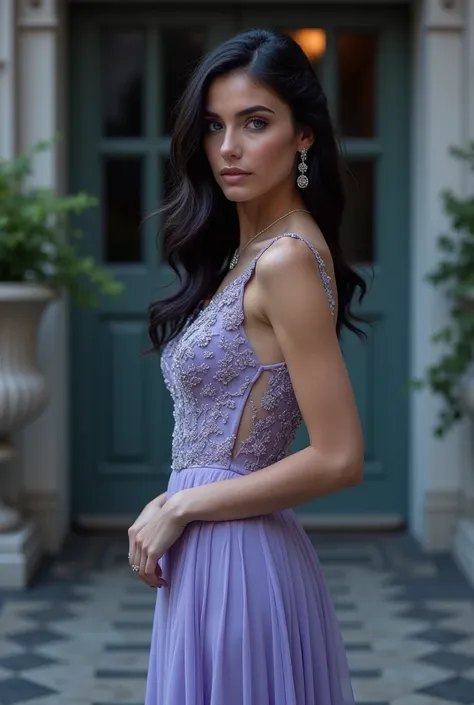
x=80, y=635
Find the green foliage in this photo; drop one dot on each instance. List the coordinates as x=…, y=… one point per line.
x=455, y=273
x=36, y=236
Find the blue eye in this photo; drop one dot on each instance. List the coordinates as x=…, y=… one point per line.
x=212, y=124
x=258, y=123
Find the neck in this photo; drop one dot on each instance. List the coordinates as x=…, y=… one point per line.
x=257, y=214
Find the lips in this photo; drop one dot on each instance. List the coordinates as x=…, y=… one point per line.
x=233, y=176
x=233, y=171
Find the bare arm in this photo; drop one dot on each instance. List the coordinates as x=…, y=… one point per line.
x=295, y=304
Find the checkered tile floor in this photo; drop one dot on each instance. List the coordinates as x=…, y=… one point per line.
x=80, y=635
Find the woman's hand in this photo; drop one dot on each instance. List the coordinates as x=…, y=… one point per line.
x=149, y=511
x=157, y=528
x=143, y=518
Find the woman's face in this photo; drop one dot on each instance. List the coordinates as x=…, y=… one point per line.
x=250, y=138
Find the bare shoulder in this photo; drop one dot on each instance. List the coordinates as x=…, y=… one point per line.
x=295, y=275
x=292, y=255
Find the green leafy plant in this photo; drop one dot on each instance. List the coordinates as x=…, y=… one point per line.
x=455, y=272
x=37, y=237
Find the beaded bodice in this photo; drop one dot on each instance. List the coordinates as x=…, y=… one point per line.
x=229, y=409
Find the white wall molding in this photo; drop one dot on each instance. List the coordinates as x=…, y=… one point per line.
x=444, y=14
x=20, y=555
x=440, y=516
x=38, y=14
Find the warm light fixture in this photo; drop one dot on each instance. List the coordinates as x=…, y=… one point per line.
x=312, y=41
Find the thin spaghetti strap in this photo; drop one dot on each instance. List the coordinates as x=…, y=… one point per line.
x=326, y=279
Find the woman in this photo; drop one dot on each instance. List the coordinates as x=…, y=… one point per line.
x=250, y=348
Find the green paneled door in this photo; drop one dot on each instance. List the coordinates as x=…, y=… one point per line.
x=127, y=70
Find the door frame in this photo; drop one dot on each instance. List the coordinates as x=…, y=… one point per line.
x=353, y=148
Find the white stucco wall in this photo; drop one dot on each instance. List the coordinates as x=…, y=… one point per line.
x=443, y=95
x=440, y=86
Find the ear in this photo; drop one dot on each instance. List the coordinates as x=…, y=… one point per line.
x=306, y=138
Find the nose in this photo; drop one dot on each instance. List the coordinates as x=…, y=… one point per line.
x=230, y=147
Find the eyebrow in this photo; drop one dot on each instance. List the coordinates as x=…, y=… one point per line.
x=246, y=111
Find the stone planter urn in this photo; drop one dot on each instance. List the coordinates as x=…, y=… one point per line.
x=23, y=392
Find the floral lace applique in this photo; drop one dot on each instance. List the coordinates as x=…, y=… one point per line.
x=259, y=448
x=211, y=371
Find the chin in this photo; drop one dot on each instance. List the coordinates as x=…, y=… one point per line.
x=239, y=195
x=237, y=198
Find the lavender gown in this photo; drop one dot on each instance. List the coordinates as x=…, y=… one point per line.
x=247, y=618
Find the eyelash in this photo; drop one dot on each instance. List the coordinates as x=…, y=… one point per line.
x=261, y=120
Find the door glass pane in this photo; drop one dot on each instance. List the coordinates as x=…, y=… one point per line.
x=356, y=73
x=123, y=71
x=182, y=49
x=357, y=232
x=122, y=198
x=312, y=41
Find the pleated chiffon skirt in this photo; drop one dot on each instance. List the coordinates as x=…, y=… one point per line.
x=247, y=618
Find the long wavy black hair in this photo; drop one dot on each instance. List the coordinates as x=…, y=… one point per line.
x=200, y=226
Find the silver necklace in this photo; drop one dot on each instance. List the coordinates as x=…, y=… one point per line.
x=238, y=254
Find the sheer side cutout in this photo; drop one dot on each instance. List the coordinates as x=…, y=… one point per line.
x=271, y=393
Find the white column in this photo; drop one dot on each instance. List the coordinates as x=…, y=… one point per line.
x=436, y=466
x=464, y=537
x=13, y=563
x=43, y=463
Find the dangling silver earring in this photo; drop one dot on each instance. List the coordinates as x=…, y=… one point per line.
x=302, y=179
